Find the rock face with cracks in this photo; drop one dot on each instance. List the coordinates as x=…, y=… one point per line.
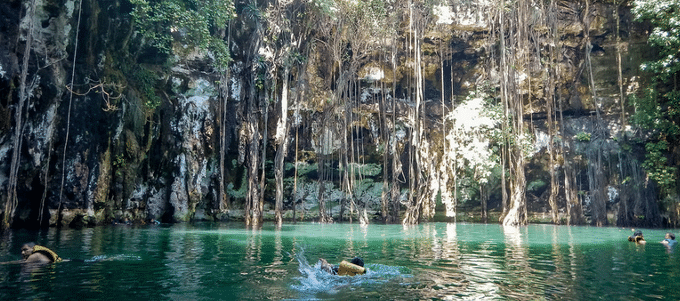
x=144, y=126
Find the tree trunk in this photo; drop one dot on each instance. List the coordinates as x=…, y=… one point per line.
x=484, y=199
x=553, y=85
x=12, y=198
x=295, y=178
x=253, y=214
x=347, y=161
x=573, y=203
x=384, y=196
x=259, y=212
x=505, y=152
x=323, y=215
x=622, y=95
x=597, y=182
x=573, y=206
x=554, y=187
x=252, y=206
x=223, y=202
x=282, y=142
x=395, y=193
x=516, y=215
x=413, y=210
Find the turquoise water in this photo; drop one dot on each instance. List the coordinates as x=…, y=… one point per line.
x=436, y=261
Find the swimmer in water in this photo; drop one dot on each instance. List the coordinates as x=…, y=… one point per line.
x=36, y=254
x=669, y=240
x=32, y=253
x=354, y=267
x=637, y=238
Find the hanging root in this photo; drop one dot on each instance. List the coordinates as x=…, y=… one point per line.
x=98, y=87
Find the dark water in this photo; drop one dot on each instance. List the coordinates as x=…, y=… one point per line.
x=435, y=261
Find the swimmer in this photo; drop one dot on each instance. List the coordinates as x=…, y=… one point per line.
x=637, y=237
x=32, y=253
x=36, y=254
x=669, y=240
x=354, y=267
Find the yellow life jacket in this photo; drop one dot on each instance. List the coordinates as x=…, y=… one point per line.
x=47, y=252
x=350, y=269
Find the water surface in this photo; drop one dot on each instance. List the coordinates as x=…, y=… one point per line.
x=435, y=261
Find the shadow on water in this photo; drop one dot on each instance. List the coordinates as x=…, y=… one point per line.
x=314, y=282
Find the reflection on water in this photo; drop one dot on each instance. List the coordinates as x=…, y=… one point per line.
x=444, y=261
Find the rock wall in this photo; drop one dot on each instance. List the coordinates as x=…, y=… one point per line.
x=115, y=130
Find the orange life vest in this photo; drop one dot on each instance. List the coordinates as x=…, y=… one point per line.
x=350, y=269
x=47, y=252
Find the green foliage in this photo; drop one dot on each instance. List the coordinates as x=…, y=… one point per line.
x=325, y=7
x=658, y=113
x=241, y=192
x=474, y=135
x=368, y=190
x=657, y=168
x=664, y=15
x=305, y=168
x=119, y=164
x=196, y=23
x=657, y=110
x=252, y=12
x=583, y=136
x=536, y=185
x=261, y=76
x=119, y=161
x=626, y=147
x=367, y=170
x=145, y=80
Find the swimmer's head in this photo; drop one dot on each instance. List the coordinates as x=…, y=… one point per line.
x=358, y=261
x=27, y=250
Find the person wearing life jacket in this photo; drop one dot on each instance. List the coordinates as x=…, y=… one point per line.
x=345, y=268
x=637, y=238
x=32, y=253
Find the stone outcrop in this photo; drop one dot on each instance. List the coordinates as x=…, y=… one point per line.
x=143, y=133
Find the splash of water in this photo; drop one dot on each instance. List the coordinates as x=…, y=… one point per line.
x=121, y=257
x=313, y=279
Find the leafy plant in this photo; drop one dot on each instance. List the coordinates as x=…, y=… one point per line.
x=665, y=37
x=119, y=164
x=583, y=136
x=657, y=168
x=195, y=23
x=657, y=110
x=145, y=80
x=475, y=128
x=120, y=161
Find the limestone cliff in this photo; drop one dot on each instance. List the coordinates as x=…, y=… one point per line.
x=117, y=129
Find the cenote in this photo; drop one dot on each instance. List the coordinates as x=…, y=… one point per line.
x=432, y=261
